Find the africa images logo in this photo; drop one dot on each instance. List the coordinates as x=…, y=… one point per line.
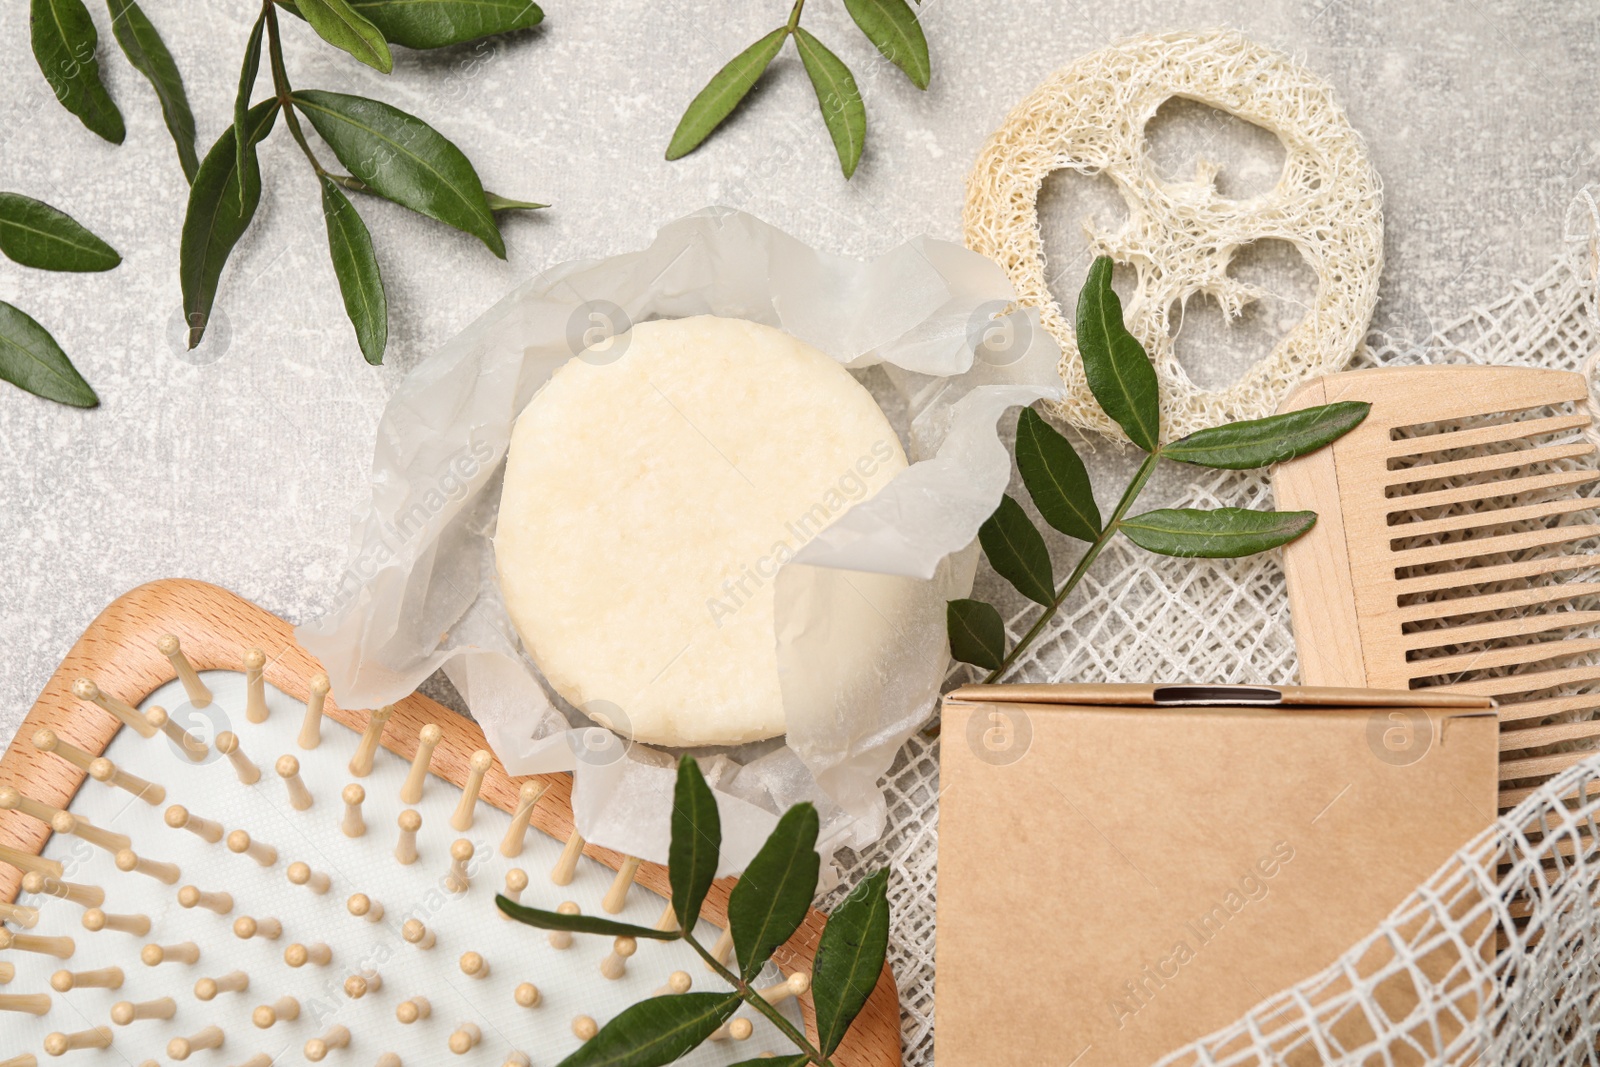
x=1251, y=887
x=1399, y=737
x=849, y=488
x=999, y=736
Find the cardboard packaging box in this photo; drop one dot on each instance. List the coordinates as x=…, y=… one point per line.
x=1126, y=868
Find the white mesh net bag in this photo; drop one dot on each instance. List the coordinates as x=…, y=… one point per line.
x=1529, y=881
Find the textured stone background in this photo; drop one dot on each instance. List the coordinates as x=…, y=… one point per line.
x=243, y=469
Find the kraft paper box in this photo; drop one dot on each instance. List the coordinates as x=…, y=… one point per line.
x=1124, y=869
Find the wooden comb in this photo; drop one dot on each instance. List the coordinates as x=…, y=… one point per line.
x=1448, y=550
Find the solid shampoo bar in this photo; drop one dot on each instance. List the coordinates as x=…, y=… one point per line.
x=653, y=488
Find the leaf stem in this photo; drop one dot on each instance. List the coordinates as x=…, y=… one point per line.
x=756, y=1000
x=1140, y=478
x=794, y=16
x=280, y=85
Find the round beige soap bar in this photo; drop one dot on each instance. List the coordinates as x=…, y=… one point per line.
x=653, y=488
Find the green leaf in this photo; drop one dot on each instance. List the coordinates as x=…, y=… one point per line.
x=977, y=633
x=893, y=28
x=655, y=1031
x=838, y=98
x=1017, y=552
x=1220, y=534
x=1240, y=446
x=1120, y=375
x=143, y=46
x=64, y=43
x=35, y=234
x=437, y=23
x=403, y=159
x=341, y=26
x=30, y=359
x=247, y=83
x=580, y=924
x=850, y=958
x=773, y=896
x=723, y=93
x=1056, y=478
x=497, y=202
x=222, y=201
x=356, y=267
x=696, y=842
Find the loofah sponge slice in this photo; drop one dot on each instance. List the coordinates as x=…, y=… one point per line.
x=1180, y=237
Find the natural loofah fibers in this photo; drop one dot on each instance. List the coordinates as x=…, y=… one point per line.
x=1181, y=236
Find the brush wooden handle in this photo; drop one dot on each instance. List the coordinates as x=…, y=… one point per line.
x=119, y=650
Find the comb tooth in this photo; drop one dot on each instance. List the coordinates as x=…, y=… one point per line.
x=1500, y=572
x=1534, y=736
x=1485, y=435
x=1519, y=907
x=1513, y=598
x=1493, y=546
x=1490, y=658
x=1499, y=630
x=1552, y=847
x=1539, y=766
x=1538, y=709
x=1510, y=798
x=1494, y=461
x=1544, y=509
x=1565, y=845
x=1506, y=487
x=1543, y=872
x=1528, y=682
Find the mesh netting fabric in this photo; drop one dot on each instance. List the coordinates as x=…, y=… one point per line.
x=1139, y=617
x=1181, y=236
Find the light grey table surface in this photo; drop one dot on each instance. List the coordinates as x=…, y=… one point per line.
x=243, y=470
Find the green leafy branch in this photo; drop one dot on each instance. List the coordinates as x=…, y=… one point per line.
x=1124, y=384
x=767, y=905
x=890, y=25
x=388, y=153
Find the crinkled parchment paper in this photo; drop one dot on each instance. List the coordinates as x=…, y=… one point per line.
x=923, y=324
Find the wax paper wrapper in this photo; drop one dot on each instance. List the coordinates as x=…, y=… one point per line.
x=927, y=327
